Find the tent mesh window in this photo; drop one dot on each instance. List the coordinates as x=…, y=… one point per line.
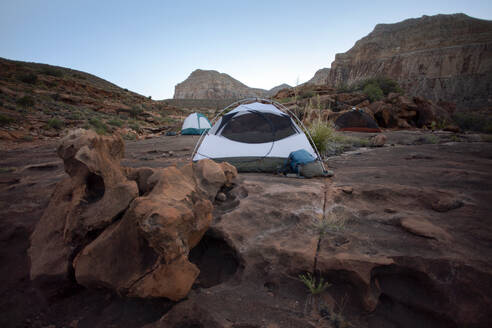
x=255, y=127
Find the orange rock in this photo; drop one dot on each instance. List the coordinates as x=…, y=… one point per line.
x=137, y=246
x=90, y=199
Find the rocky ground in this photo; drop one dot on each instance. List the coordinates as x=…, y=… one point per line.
x=402, y=234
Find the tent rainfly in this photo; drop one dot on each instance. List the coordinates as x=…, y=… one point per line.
x=254, y=137
x=356, y=120
x=195, y=123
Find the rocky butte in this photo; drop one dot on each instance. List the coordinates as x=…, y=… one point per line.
x=207, y=84
x=441, y=57
x=321, y=77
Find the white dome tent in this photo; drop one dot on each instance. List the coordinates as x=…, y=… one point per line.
x=195, y=123
x=257, y=135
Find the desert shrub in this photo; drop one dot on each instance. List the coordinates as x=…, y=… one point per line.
x=134, y=127
x=130, y=136
x=5, y=120
x=373, y=92
x=7, y=169
x=134, y=111
x=115, y=122
x=385, y=84
x=26, y=101
x=30, y=78
x=284, y=100
x=342, y=88
x=123, y=116
x=79, y=76
x=27, y=138
x=55, y=123
x=321, y=132
x=76, y=116
x=312, y=284
x=51, y=71
x=473, y=122
x=98, y=126
x=306, y=94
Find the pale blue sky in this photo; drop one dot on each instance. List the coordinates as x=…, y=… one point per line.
x=150, y=46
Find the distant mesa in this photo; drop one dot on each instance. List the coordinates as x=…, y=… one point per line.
x=441, y=57
x=209, y=84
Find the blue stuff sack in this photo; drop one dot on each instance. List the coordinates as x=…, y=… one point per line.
x=299, y=157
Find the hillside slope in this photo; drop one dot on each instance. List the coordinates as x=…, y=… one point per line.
x=37, y=101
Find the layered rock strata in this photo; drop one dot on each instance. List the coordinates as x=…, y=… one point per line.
x=441, y=57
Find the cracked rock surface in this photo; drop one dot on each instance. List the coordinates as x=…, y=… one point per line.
x=410, y=246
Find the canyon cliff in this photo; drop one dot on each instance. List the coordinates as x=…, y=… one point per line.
x=321, y=77
x=441, y=57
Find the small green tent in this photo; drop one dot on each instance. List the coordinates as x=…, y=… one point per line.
x=195, y=123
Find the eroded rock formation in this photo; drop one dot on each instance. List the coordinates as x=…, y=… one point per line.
x=441, y=57
x=127, y=229
x=321, y=77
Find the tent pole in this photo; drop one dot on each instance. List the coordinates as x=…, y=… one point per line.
x=213, y=122
x=279, y=106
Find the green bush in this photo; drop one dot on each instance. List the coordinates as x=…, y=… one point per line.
x=5, y=120
x=342, y=88
x=284, y=100
x=51, y=71
x=76, y=116
x=134, y=126
x=306, y=94
x=79, y=76
x=385, y=84
x=373, y=92
x=55, y=123
x=30, y=78
x=26, y=101
x=123, y=116
x=98, y=126
x=314, y=285
x=474, y=122
x=130, y=136
x=321, y=133
x=133, y=112
x=115, y=122
x=27, y=138
x=7, y=169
